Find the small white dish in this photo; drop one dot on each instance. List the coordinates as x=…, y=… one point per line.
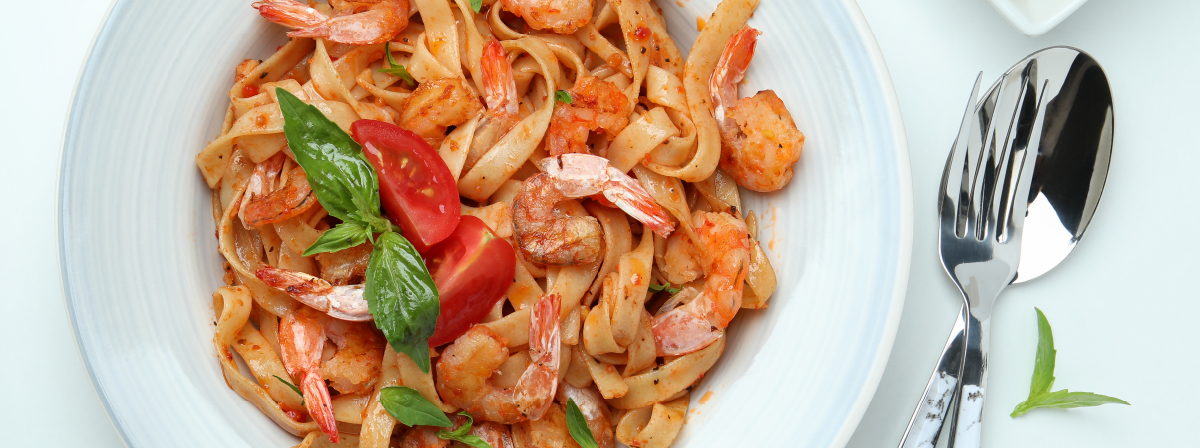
x=1036, y=17
x=139, y=260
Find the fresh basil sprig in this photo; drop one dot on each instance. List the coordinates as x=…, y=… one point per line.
x=476, y=5
x=563, y=96
x=399, y=290
x=402, y=296
x=667, y=287
x=397, y=69
x=412, y=409
x=1043, y=378
x=577, y=426
x=460, y=434
x=293, y=387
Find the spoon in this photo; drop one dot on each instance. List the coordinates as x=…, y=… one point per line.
x=1074, y=150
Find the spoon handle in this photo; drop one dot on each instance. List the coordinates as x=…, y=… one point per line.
x=926, y=422
x=967, y=424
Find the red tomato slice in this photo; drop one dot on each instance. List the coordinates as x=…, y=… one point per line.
x=415, y=186
x=472, y=270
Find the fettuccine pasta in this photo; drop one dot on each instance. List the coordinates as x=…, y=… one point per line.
x=592, y=174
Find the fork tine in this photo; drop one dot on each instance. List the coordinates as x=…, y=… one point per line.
x=999, y=193
x=976, y=191
x=949, y=204
x=1019, y=200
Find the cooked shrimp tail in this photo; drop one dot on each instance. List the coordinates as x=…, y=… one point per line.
x=500, y=94
x=730, y=70
x=290, y=13
x=498, y=82
x=724, y=247
x=535, y=390
x=342, y=302
x=301, y=341
x=580, y=175
x=381, y=21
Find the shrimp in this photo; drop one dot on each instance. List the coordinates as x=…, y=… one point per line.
x=595, y=411
x=547, y=238
x=759, y=139
x=423, y=437
x=261, y=182
x=724, y=251
x=290, y=200
x=561, y=16
x=595, y=104
x=502, y=104
x=354, y=368
x=342, y=302
x=301, y=341
x=495, y=434
x=436, y=104
x=356, y=23
x=466, y=365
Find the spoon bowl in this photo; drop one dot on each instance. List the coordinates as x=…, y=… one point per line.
x=1073, y=158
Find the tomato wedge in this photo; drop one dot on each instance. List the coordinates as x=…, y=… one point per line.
x=472, y=269
x=415, y=186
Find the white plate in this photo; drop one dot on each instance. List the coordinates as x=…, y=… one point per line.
x=139, y=258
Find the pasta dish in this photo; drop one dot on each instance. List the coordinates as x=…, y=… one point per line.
x=504, y=223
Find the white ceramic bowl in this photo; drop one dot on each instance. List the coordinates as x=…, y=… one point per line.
x=1036, y=17
x=140, y=262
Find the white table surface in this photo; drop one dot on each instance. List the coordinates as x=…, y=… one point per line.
x=1119, y=305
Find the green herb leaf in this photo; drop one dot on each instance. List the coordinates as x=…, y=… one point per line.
x=667, y=287
x=402, y=297
x=344, y=236
x=577, y=426
x=563, y=96
x=1043, y=378
x=460, y=434
x=293, y=387
x=397, y=69
x=1043, y=364
x=411, y=408
x=345, y=183
x=1063, y=399
x=476, y=5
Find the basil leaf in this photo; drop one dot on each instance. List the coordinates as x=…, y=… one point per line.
x=563, y=96
x=397, y=69
x=344, y=236
x=1064, y=399
x=1043, y=364
x=402, y=297
x=460, y=434
x=1043, y=378
x=345, y=183
x=667, y=287
x=476, y=5
x=410, y=408
x=293, y=387
x=577, y=426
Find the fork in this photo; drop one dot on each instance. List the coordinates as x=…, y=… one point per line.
x=981, y=212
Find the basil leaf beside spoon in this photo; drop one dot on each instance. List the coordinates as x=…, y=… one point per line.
x=1043, y=378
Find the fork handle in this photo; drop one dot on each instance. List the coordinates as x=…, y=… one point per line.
x=967, y=424
x=926, y=422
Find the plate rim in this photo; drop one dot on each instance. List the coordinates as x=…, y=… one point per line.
x=902, y=261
